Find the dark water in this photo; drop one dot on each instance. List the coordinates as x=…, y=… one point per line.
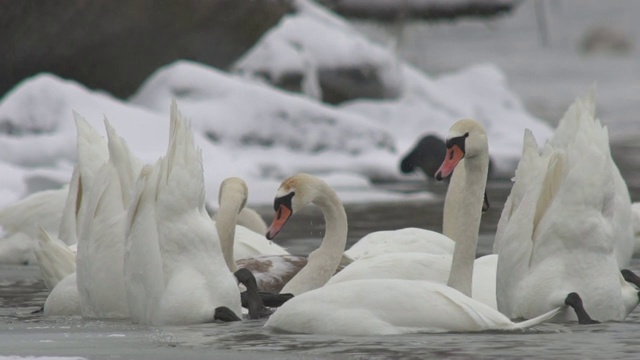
x=23, y=333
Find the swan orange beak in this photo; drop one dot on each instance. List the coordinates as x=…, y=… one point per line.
x=451, y=159
x=282, y=215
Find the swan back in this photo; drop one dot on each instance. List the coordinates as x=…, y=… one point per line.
x=401, y=240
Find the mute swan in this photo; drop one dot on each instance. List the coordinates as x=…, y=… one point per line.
x=102, y=232
x=174, y=270
x=383, y=306
x=558, y=230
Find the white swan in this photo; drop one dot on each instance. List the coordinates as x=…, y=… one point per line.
x=174, y=269
x=101, y=234
x=559, y=227
x=383, y=306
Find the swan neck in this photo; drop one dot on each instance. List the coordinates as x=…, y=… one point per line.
x=226, y=219
x=323, y=262
x=463, y=215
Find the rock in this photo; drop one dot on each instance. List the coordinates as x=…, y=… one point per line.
x=114, y=46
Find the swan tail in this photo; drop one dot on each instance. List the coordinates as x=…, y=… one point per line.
x=538, y=319
x=124, y=161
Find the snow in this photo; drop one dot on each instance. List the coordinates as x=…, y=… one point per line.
x=249, y=129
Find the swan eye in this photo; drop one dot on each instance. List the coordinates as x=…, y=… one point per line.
x=466, y=134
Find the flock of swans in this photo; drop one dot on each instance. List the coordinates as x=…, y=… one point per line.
x=135, y=242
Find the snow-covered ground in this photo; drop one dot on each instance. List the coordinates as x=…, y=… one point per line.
x=249, y=129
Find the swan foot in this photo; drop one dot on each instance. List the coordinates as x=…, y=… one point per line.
x=251, y=298
x=39, y=311
x=630, y=277
x=225, y=314
x=575, y=301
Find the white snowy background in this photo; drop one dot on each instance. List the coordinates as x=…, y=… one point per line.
x=250, y=129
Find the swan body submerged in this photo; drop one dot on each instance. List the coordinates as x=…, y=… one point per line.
x=174, y=270
x=562, y=224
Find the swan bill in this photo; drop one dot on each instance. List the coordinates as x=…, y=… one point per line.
x=451, y=159
x=282, y=215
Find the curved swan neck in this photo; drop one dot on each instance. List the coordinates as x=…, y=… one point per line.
x=323, y=262
x=230, y=205
x=463, y=210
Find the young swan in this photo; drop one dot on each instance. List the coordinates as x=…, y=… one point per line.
x=295, y=193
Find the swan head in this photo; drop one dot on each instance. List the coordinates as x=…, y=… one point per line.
x=233, y=187
x=467, y=138
x=294, y=193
